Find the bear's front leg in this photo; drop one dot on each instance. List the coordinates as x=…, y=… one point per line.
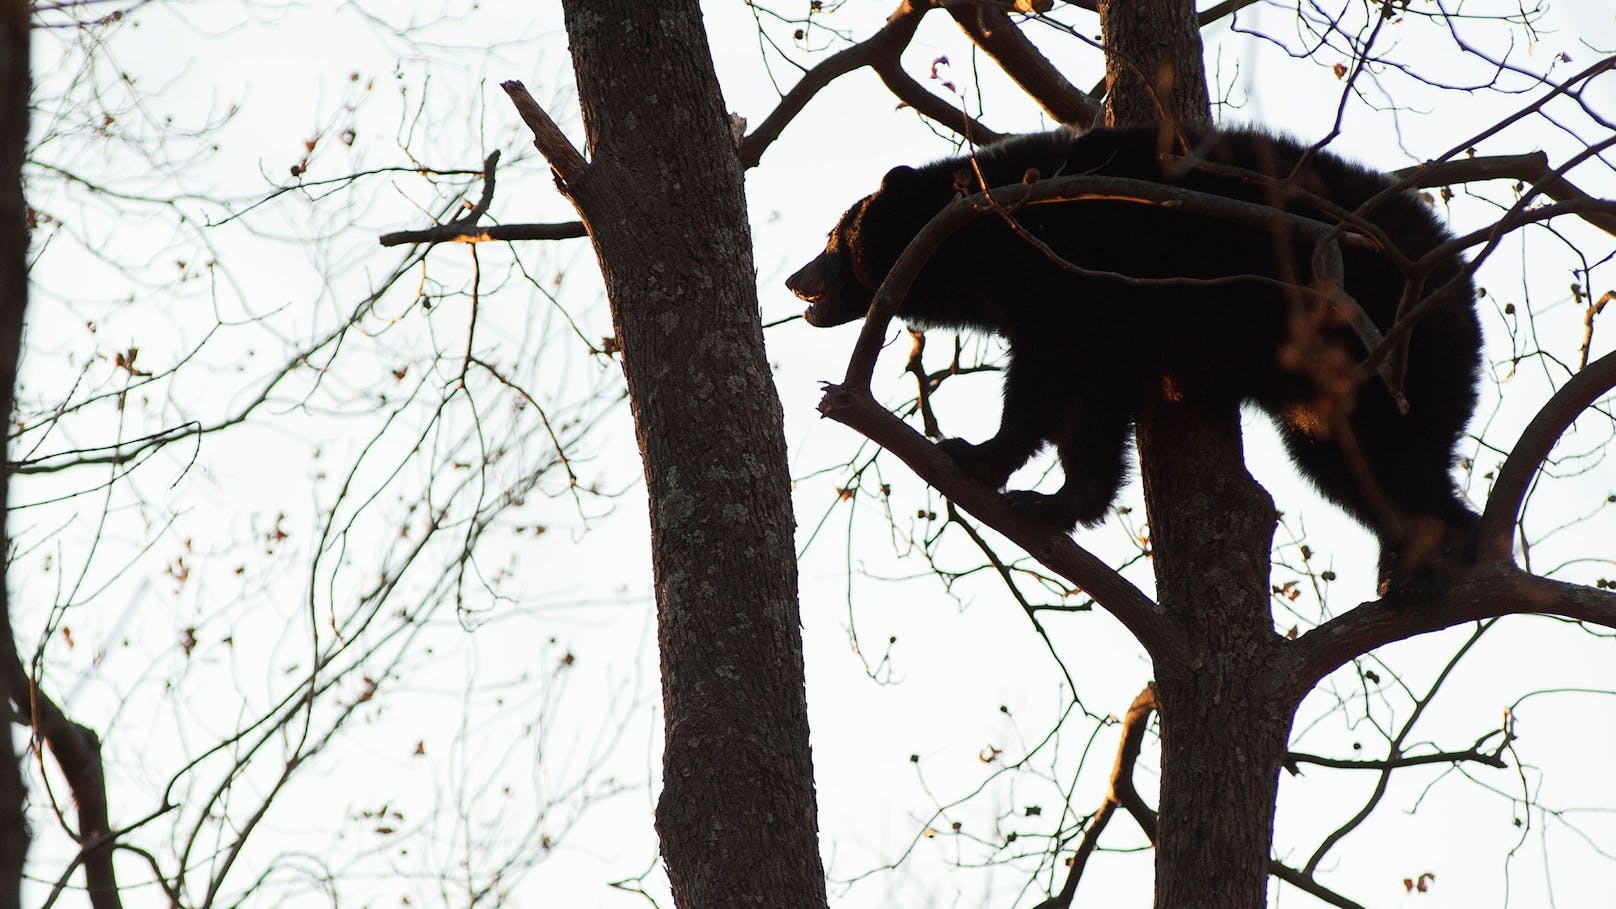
x=992, y=462
x=1091, y=433
x=1023, y=428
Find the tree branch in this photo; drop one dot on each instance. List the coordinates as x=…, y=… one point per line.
x=854, y=407
x=1122, y=793
x=1494, y=533
x=475, y=213
x=1485, y=592
x=1528, y=168
x=929, y=105
x=455, y=232
x=1226, y=8
x=565, y=160
x=1306, y=884
x=1471, y=755
x=888, y=43
x=78, y=754
x=881, y=52
x=1123, y=790
x=464, y=229
x=990, y=27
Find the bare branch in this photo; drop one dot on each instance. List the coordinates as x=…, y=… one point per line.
x=455, y=232
x=475, y=213
x=854, y=407
x=464, y=229
x=1563, y=88
x=991, y=28
x=924, y=102
x=1394, y=749
x=1485, y=592
x=1306, y=884
x=1527, y=455
x=1594, y=309
x=881, y=52
x=1529, y=168
x=924, y=385
x=1226, y=8
x=888, y=43
x=547, y=137
x=1122, y=792
x=78, y=753
x=1470, y=755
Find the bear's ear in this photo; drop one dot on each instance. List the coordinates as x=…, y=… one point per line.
x=900, y=178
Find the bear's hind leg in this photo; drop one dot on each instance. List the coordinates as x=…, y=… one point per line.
x=1402, y=489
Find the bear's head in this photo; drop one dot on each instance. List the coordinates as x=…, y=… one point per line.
x=840, y=282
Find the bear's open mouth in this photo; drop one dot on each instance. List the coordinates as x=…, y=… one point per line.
x=819, y=314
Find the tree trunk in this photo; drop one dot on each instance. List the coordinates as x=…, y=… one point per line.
x=14, y=83
x=1224, y=722
x=1153, y=65
x=664, y=203
x=1221, y=754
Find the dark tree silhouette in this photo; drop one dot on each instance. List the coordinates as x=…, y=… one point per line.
x=659, y=191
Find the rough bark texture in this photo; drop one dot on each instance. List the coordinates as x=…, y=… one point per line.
x=13, y=297
x=1153, y=64
x=1224, y=723
x=664, y=203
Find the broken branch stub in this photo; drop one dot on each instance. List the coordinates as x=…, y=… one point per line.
x=547, y=137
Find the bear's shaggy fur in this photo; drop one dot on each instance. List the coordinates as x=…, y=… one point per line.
x=1084, y=347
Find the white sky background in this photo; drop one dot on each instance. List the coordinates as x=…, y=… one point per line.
x=958, y=657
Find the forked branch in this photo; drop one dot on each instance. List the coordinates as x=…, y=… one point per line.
x=990, y=27
x=1123, y=794
x=77, y=751
x=1484, y=592
x=464, y=229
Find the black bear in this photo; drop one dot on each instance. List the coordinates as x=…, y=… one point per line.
x=1085, y=346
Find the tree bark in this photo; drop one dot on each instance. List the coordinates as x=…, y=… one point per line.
x=1224, y=720
x=1225, y=710
x=1221, y=753
x=663, y=199
x=14, y=82
x=1153, y=63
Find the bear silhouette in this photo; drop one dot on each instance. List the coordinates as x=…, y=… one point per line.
x=1087, y=340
